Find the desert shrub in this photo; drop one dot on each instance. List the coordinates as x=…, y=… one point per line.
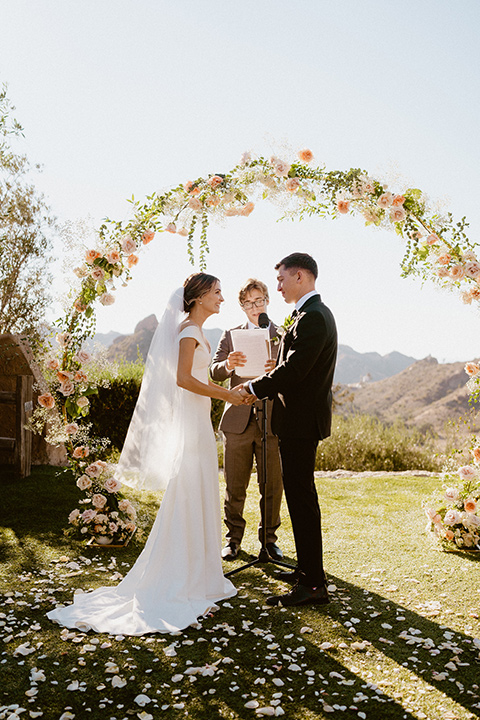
x=112, y=408
x=363, y=442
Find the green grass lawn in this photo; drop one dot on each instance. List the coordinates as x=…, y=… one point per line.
x=399, y=640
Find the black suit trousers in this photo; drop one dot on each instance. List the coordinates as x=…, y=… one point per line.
x=298, y=467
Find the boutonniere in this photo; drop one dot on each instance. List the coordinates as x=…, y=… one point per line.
x=283, y=329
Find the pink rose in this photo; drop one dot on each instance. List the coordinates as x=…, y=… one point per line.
x=397, y=214
x=305, y=155
x=471, y=520
x=183, y=231
x=245, y=159
x=281, y=168
x=53, y=364
x=64, y=375
x=46, y=400
x=472, y=269
x=432, y=239
x=130, y=527
x=442, y=272
x=470, y=505
x=195, y=204
x=476, y=455
x=82, y=402
x=91, y=256
x=451, y=494
x=171, y=228
x=467, y=298
x=79, y=305
x=452, y=517
x=457, y=272
x=444, y=259
x=433, y=515
x=472, y=368
x=467, y=472
x=99, y=501
x=214, y=181
x=71, y=429
x=97, y=273
x=292, y=184
x=88, y=515
x=247, y=209
x=232, y=211
x=370, y=216
x=64, y=339
x=398, y=200
x=128, y=245
x=93, y=470
x=368, y=186
x=84, y=482
x=148, y=236
x=80, y=376
x=113, y=257
x=107, y=298
x=83, y=356
x=67, y=388
x=468, y=540
x=132, y=260
x=385, y=200
x=73, y=515
x=343, y=206
x=212, y=201
x=449, y=535
x=112, y=485
x=81, y=451
x=123, y=505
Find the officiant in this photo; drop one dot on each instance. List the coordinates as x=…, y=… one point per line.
x=241, y=428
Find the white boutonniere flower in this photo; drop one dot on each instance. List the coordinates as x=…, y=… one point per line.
x=283, y=329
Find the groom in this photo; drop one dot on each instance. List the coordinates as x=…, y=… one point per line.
x=301, y=389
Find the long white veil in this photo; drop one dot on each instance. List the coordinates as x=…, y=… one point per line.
x=154, y=444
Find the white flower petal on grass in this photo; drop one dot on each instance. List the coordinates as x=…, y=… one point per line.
x=73, y=685
x=177, y=678
x=269, y=710
x=32, y=692
x=179, y=706
x=294, y=667
x=279, y=711
x=37, y=675
x=252, y=704
x=144, y=715
x=306, y=629
x=118, y=681
x=24, y=649
x=278, y=682
x=142, y=700
x=35, y=713
x=67, y=716
x=326, y=646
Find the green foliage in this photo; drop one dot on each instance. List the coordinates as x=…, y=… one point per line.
x=24, y=241
x=361, y=443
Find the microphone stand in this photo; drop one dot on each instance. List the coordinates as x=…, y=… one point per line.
x=263, y=556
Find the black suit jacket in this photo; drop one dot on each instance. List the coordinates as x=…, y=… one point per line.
x=301, y=383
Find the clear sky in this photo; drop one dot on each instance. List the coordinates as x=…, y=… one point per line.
x=122, y=97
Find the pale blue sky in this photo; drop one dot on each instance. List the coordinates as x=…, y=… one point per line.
x=129, y=96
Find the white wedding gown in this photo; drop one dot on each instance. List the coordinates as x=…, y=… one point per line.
x=178, y=577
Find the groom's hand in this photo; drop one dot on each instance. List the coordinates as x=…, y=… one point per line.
x=248, y=397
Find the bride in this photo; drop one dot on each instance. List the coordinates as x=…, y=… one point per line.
x=178, y=577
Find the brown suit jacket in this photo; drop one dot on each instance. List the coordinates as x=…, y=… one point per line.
x=236, y=418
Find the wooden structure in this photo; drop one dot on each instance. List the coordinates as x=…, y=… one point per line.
x=21, y=444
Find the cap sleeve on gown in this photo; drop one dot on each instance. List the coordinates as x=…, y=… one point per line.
x=190, y=331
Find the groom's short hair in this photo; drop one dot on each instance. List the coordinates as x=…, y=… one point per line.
x=299, y=261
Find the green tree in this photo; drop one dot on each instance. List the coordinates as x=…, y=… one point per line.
x=25, y=245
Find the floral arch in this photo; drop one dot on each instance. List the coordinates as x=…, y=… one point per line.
x=436, y=248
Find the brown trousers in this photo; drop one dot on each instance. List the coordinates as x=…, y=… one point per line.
x=239, y=451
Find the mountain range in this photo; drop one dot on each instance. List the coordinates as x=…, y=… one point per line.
x=352, y=366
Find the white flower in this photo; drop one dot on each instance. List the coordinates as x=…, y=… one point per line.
x=107, y=298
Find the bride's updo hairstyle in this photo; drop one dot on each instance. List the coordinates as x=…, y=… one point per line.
x=195, y=287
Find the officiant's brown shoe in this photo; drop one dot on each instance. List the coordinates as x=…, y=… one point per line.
x=230, y=551
x=301, y=595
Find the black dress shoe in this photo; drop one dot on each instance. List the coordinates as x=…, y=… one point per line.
x=289, y=577
x=301, y=595
x=274, y=551
x=230, y=551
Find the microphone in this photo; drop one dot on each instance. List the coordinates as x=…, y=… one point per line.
x=263, y=320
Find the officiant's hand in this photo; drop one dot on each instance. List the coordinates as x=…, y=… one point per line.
x=236, y=359
x=269, y=365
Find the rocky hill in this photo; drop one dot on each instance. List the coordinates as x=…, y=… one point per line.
x=426, y=394
x=352, y=366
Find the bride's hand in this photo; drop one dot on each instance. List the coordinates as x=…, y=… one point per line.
x=235, y=397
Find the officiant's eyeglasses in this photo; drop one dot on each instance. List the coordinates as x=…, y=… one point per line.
x=256, y=303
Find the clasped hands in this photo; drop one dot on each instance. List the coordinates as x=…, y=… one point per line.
x=241, y=394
